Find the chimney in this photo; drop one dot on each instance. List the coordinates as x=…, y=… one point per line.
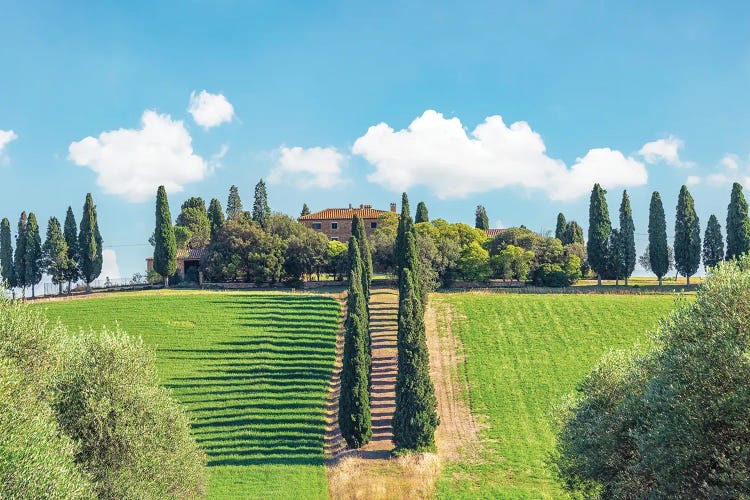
x=350, y=206
x=393, y=207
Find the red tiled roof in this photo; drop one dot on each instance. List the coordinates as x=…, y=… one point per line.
x=493, y=232
x=343, y=213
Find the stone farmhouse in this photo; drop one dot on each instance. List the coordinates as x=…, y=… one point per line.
x=188, y=261
x=336, y=223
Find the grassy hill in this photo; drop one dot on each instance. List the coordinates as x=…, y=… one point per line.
x=253, y=369
x=523, y=353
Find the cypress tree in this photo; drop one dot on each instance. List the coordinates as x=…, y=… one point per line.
x=215, y=217
x=33, y=260
x=261, y=210
x=599, y=229
x=481, y=219
x=415, y=418
x=713, y=243
x=573, y=233
x=738, y=225
x=354, y=400
x=627, y=238
x=19, y=259
x=405, y=225
x=358, y=231
x=421, y=214
x=658, y=253
x=6, y=255
x=165, y=249
x=687, y=236
x=305, y=210
x=561, y=228
x=89, y=244
x=616, y=256
x=234, y=203
x=70, y=232
x=55, y=253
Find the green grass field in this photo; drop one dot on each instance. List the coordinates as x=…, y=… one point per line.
x=252, y=368
x=523, y=354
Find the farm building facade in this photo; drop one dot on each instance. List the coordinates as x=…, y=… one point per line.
x=336, y=223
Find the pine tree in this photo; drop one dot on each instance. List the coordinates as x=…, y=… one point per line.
x=573, y=233
x=561, y=228
x=19, y=259
x=70, y=232
x=405, y=225
x=354, y=400
x=738, y=225
x=234, y=203
x=33, y=260
x=713, y=243
x=305, y=210
x=627, y=238
x=215, y=217
x=687, y=236
x=482, y=221
x=55, y=253
x=599, y=229
x=421, y=214
x=165, y=248
x=261, y=210
x=89, y=244
x=6, y=255
x=658, y=253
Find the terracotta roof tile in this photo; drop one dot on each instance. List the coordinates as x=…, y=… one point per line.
x=343, y=213
x=493, y=232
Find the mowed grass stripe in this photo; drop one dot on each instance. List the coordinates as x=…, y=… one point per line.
x=252, y=369
x=523, y=354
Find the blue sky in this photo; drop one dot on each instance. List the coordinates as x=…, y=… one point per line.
x=97, y=98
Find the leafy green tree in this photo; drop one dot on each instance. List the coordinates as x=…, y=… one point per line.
x=560, y=228
x=513, y=262
x=165, y=248
x=261, y=210
x=599, y=229
x=70, y=232
x=55, y=253
x=194, y=217
x=383, y=241
x=358, y=231
x=337, y=259
x=738, y=224
x=713, y=243
x=182, y=236
x=573, y=234
x=658, y=255
x=305, y=210
x=687, y=236
x=474, y=263
x=215, y=216
x=354, y=401
x=234, y=203
x=421, y=215
x=6, y=255
x=481, y=219
x=627, y=238
x=305, y=251
x=33, y=259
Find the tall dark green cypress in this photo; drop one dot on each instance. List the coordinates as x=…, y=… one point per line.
x=421, y=215
x=405, y=225
x=687, y=236
x=165, y=249
x=599, y=229
x=627, y=237
x=713, y=243
x=305, y=210
x=215, y=217
x=234, y=203
x=6, y=255
x=55, y=251
x=358, y=231
x=354, y=400
x=89, y=244
x=33, y=260
x=573, y=233
x=261, y=210
x=738, y=225
x=658, y=253
x=70, y=232
x=561, y=227
x=19, y=258
x=481, y=221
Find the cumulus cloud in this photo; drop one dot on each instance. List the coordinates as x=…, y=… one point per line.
x=110, y=268
x=6, y=137
x=437, y=152
x=664, y=150
x=308, y=167
x=730, y=161
x=210, y=110
x=693, y=180
x=132, y=163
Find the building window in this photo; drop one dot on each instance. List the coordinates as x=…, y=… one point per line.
x=317, y=225
x=335, y=238
x=334, y=225
x=373, y=225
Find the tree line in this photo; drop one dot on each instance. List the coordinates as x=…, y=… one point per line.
x=69, y=253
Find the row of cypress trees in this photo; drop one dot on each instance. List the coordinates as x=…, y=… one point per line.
x=65, y=256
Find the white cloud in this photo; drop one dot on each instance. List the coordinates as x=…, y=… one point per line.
x=664, y=150
x=110, y=269
x=210, y=110
x=693, y=180
x=6, y=136
x=317, y=167
x=132, y=163
x=730, y=161
x=437, y=152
